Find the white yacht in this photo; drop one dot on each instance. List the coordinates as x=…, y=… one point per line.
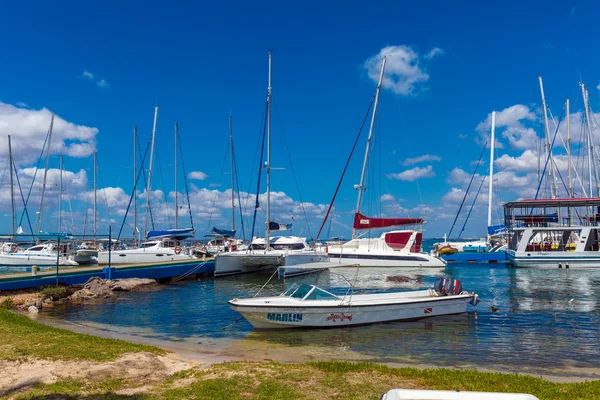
x=166, y=249
x=283, y=250
x=41, y=254
x=401, y=248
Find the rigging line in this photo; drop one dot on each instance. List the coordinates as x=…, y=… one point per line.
x=25, y=212
x=346, y=167
x=104, y=194
x=468, y=187
x=134, y=190
x=257, y=204
x=212, y=207
x=164, y=188
x=472, y=206
x=548, y=156
x=187, y=191
x=237, y=182
x=149, y=210
x=33, y=180
x=408, y=145
x=260, y=132
x=292, y=168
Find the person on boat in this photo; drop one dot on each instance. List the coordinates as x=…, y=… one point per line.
x=226, y=245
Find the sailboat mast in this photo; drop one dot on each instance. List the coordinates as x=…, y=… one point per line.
x=60, y=193
x=360, y=186
x=176, y=189
x=134, y=185
x=570, y=182
x=149, y=186
x=268, y=163
x=548, y=145
x=12, y=188
x=491, y=170
x=589, y=138
x=95, y=189
x=41, y=212
x=232, y=173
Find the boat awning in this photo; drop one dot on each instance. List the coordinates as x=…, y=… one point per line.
x=540, y=203
x=364, y=222
x=178, y=234
x=222, y=232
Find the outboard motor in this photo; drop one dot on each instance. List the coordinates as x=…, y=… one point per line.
x=447, y=286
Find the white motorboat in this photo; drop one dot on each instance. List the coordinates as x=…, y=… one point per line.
x=283, y=250
x=400, y=248
x=417, y=394
x=308, y=306
x=41, y=254
x=148, y=252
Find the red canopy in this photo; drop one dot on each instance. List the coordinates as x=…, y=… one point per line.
x=362, y=222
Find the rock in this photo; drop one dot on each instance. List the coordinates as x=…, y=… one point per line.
x=33, y=310
x=82, y=294
x=131, y=284
x=48, y=303
x=99, y=287
x=33, y=301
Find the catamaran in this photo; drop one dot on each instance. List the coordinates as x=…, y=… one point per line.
x=398, y=248
x=266, y=257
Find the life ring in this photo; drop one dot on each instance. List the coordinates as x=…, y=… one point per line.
x=177, y=250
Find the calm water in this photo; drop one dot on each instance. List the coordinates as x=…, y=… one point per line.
x=547, y=318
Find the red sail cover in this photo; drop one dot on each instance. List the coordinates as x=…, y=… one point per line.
x=362, y=222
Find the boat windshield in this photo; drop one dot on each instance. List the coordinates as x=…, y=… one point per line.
x=309, y=292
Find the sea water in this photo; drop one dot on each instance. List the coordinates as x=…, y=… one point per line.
x=547, y=318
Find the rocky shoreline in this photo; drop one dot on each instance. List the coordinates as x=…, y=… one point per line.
x=95, y=288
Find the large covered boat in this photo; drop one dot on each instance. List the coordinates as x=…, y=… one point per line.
x=554, y=233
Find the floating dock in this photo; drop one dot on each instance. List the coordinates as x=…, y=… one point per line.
x=162, y=272
x=476, y=257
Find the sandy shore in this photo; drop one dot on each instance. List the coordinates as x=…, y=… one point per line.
x=198, y=351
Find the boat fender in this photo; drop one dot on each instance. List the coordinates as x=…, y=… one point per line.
x=474, y=301
x=177, y=250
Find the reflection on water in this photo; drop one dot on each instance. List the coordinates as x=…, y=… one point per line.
x=547, y=317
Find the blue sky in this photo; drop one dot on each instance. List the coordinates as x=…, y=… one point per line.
x=104, y=65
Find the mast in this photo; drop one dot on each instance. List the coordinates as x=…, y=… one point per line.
x=41, y=212
x=232, y=173
x=134, y=186
x=268, y=163
x=548, y=145
x=176, y=192
x=95, y=189
x=60, y=193
x=589, y=137
x=570, y=182
x=149, y=186
x=12, y=188
x=491, y=171
x=594, y=162
x=360, y=186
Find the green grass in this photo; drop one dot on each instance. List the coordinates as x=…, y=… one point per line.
x=55, y=292
x=23, y=337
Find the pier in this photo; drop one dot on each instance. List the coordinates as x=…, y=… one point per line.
x=161, y=271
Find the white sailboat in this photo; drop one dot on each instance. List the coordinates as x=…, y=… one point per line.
x=268, y=257
x=398, y=248
x=165, y=247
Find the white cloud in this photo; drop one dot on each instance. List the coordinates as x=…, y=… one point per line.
x=28, y=129
x=512, y=117
x=413, y=174
x=87, y=75
x=436, y=51
x=22, y=105
x=199, y=175
x=423, y=158
x=387, y=197
x=403, y=73
x=102, y=83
